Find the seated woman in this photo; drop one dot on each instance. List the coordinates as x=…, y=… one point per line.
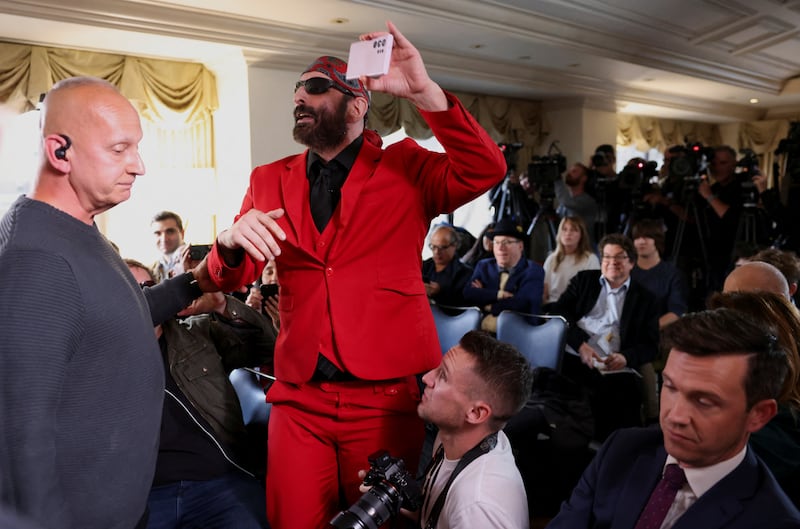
x=573, y=254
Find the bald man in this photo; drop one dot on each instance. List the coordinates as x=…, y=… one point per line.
x=757, y=276
x=82, y=380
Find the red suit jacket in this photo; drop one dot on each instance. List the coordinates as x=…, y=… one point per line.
x=357, y=287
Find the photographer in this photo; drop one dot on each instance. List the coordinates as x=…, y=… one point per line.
x=472, y=480
x=724, y=204
x=573, y=200
x=603, y=185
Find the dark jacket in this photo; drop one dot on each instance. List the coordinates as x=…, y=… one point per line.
x=526, y=282
x=617, y=484
x=202, y=351
x=638, y=326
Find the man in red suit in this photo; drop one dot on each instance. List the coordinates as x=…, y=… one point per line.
x=346, y=221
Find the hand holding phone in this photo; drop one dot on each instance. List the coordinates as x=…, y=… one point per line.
x=269, y=290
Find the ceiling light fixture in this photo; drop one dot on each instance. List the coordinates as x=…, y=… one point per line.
x=753, y=100
x=340, y=20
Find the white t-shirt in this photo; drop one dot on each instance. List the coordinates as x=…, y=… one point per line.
x=557, y=280
x=487, y=494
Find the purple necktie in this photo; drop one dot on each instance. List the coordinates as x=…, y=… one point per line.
x=662, y=497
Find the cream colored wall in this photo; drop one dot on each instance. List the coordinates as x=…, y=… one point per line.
x=579, y=126
x=271, y=120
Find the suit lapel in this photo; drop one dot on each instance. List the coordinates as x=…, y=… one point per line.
x=360, y=173
x=628, y=309
x=644, y=474
x=725, y=500
x=295, y=189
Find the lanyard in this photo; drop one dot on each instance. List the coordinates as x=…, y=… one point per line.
x=484, y=447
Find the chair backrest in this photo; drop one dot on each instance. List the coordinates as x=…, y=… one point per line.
x=543, y=345
x=255, y=408
x=451, y=327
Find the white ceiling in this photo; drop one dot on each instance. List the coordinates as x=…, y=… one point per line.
x=689, y=59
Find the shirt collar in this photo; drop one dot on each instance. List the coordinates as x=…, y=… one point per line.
x=702, y=479
x=622, y=288
x=347, y=157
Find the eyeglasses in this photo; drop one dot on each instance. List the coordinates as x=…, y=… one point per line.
x=435, y=248
x=320, y=85
x=616, y=258
x=148, y=283
x=505, y=242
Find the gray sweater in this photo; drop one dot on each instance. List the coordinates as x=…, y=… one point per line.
x=81, y=378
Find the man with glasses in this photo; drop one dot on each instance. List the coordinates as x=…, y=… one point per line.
x=445, y=276
x=346, y=221
x=613, y=325
x=508, y=281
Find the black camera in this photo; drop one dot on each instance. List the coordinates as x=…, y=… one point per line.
x=637, y=176
x=545, y=171
x=693, y=164
x=746, y=168
x=510, y=151
x=198, y=251
x=392, y=487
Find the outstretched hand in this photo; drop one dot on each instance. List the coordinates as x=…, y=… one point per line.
x=407, y=76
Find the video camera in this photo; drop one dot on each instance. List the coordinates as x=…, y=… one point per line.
x=637, y=176
x=693, y=164
x=392, y=487
x=510, y=151
x=746, y=168
x=545, y=171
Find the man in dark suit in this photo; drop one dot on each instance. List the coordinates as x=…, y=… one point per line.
x=508, y=281
x=721, y=381
x=613, y=325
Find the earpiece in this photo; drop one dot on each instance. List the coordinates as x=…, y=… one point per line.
x=61, y=152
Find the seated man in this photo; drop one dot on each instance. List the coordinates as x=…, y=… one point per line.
x=722, y=377
x=444, y=275
x=478, y=386
x=613, y=324
x=508, y=281
x=206, y=468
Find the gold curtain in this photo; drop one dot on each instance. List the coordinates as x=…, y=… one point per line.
x=176, y=99
x=506, y=120
x=648, y=132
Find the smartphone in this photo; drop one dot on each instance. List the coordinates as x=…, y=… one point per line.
x=198, y=251
x=269, y=290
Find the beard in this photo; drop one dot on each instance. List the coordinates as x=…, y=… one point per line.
x=326, y=131
x=572, y=180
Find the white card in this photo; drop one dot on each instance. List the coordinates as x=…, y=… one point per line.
x=370, y=57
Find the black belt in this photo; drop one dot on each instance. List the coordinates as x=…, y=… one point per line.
x=326, y=371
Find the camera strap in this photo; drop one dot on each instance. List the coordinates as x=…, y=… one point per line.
x=484, y=447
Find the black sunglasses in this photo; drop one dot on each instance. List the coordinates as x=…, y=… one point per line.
x=148, y=283
x=320, y=85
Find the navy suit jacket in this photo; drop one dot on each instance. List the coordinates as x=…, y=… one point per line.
x=617, y=484
x=526, y=282
x=638, y=323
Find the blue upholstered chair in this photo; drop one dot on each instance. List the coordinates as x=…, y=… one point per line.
x=543, y=345
x=451, y=327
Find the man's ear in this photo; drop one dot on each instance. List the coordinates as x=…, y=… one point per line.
x=358, y=108
x=56, y=151
x=479, y=412
x=760, y=414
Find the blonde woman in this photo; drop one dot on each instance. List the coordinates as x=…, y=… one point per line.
x=573, y=254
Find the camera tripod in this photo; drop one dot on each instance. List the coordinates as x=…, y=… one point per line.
x=548, y=218
x=699, y=277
